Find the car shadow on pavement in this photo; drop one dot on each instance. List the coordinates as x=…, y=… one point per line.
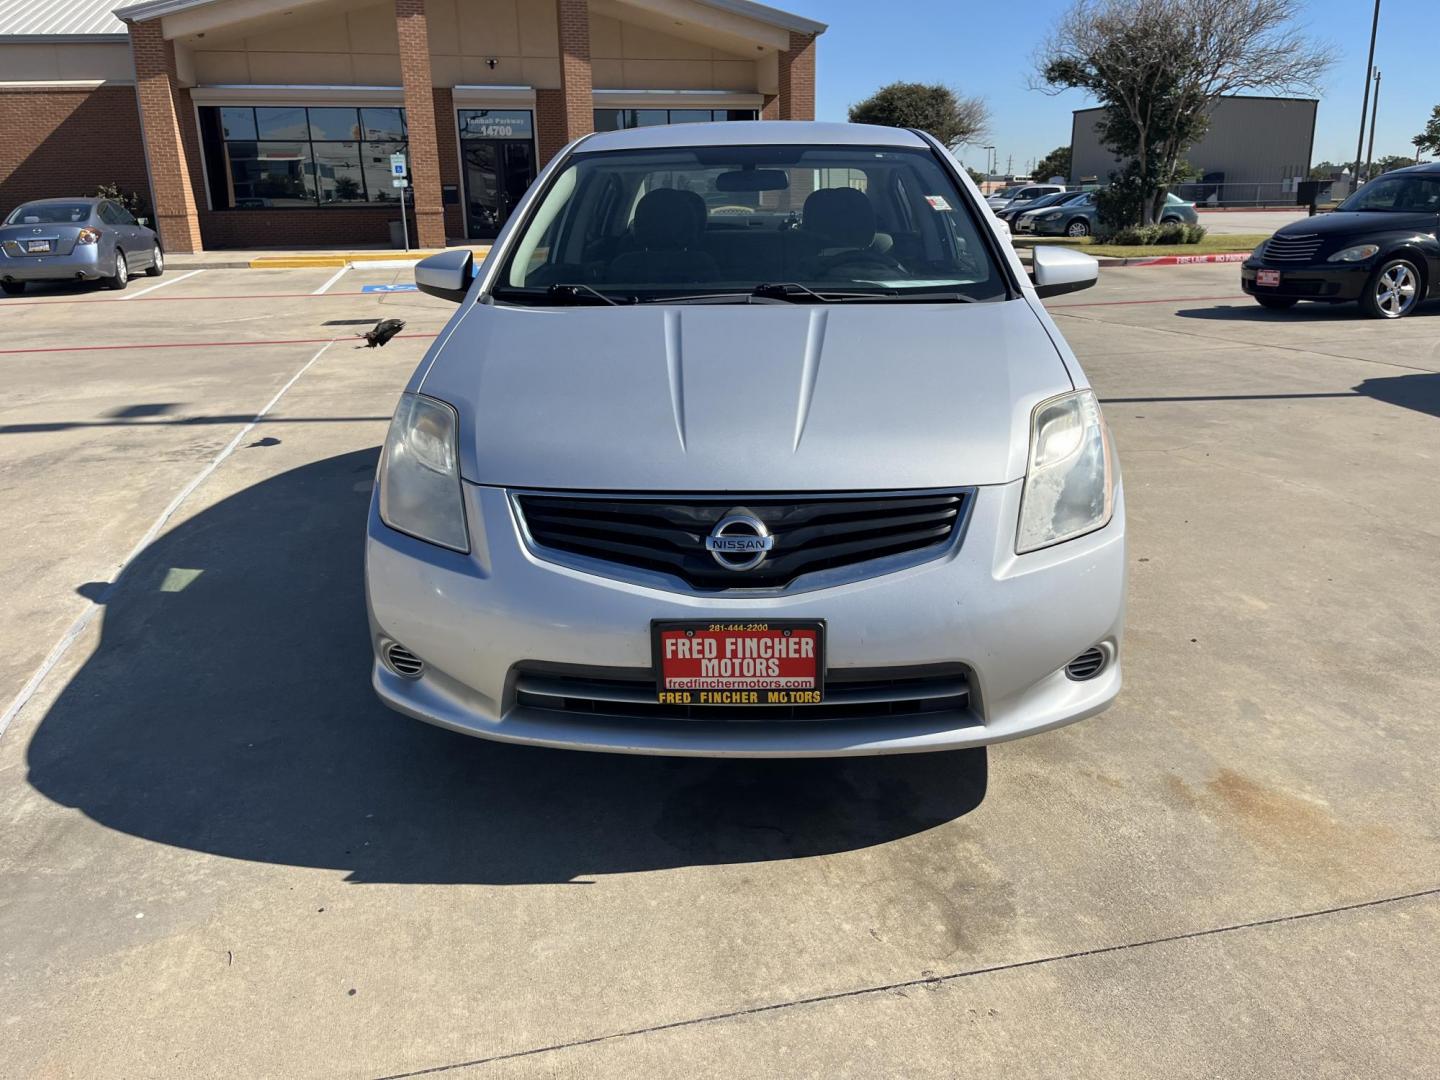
x=228, y=709
x=1420, y=392
x=1302, y=312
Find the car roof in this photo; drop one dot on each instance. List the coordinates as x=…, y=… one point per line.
x=1429, y=168
x=91, y=199
x=751, y=133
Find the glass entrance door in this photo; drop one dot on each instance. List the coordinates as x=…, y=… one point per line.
x=499, y=164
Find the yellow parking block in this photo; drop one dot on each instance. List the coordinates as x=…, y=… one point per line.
x=345, y=258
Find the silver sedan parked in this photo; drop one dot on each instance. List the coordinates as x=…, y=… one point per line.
x=76, y=240
x=816, y=475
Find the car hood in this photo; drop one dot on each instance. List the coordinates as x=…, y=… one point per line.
x=1364, y=221
x=746, y=397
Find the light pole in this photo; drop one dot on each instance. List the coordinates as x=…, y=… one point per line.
x=1365, y=102
x=1374, y=112
x=989, y=168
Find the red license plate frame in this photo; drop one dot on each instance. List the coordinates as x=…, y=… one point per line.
x=1268, y=279
x=785, y=672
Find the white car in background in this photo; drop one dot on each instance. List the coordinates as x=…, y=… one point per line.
x=1020, y=196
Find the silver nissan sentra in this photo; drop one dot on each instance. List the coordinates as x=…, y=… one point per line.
x=749, y=439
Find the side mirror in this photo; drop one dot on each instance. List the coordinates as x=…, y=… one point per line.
x=1057, y=270
x=446, y=275
x=142, y=221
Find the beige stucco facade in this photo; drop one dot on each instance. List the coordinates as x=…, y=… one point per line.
x=472, y=43
x=552, y=68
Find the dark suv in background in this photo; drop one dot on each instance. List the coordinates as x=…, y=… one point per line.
x=1379, y=247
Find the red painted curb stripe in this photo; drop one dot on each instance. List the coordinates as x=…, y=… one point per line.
x=153, y=299
x=1185, y=260
x=196, y=344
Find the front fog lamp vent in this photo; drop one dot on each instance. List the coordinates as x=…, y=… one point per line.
x=403, y=662
x=1087, y=665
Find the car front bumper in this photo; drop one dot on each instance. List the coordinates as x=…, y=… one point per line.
x=1013, y=621
x=84, y=262
x=1327, y=281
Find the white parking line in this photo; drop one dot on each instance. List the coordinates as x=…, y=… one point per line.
x=167, y=281
x=337, y=276
x=84, y=618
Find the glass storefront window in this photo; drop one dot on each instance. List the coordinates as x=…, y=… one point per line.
x=383, y=124
x=271, y=174
x=334, y=124
x=281, y=124
x=338, y=175
x=618, y=119
x=238, y=123
x=267, y=157
x=375, y=163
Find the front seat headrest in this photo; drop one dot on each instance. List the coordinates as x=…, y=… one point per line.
x=843, y=217
x=669, y=220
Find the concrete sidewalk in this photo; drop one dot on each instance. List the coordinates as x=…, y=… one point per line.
x=298, y=257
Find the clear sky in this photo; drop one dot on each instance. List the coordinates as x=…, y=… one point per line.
x=985, y=47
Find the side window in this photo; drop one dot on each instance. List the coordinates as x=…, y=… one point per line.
x=106, y=214
x=122, y=216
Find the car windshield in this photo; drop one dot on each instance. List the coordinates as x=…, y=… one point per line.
x=652, y=224
x=49, y=214
x=1402, y=194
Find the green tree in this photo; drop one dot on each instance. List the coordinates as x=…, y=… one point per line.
x=1428, y=141
x=1055, y=163
x=976, y=175
x=1326, y=170
x=927, y=106
x=1393, y=161
x=1159, y=66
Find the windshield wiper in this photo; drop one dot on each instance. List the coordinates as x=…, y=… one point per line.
x=789, y=290
x=578, y=292
x=786, y=293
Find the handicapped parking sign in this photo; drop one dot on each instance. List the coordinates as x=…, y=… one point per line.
x=388, y=288
x=397, y=165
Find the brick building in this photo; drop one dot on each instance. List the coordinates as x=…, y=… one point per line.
x=274, y=122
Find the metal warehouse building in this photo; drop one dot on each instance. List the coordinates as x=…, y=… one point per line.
x=1254, y=151
x=260, y=122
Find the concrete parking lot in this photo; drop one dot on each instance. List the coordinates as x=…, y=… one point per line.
x=222, y=857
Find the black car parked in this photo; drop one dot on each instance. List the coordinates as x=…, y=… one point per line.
x=1381, y=246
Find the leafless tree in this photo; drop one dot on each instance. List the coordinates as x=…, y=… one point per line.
x=1158, y=67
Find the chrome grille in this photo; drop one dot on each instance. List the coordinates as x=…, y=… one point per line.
x=666, y=534
x=1292, y=248
x=854, y=694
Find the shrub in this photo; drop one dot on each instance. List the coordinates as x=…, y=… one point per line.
x=1118, y=205
x=135, y=202
x=1147, y=235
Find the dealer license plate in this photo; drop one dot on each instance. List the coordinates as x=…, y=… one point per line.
x=38, y=247
x=1267, y=277
x=739, y=663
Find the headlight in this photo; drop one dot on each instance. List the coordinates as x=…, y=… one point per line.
x=420, y=474
x=1354, y=254
x=1070, y=481
x=1055, y=215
